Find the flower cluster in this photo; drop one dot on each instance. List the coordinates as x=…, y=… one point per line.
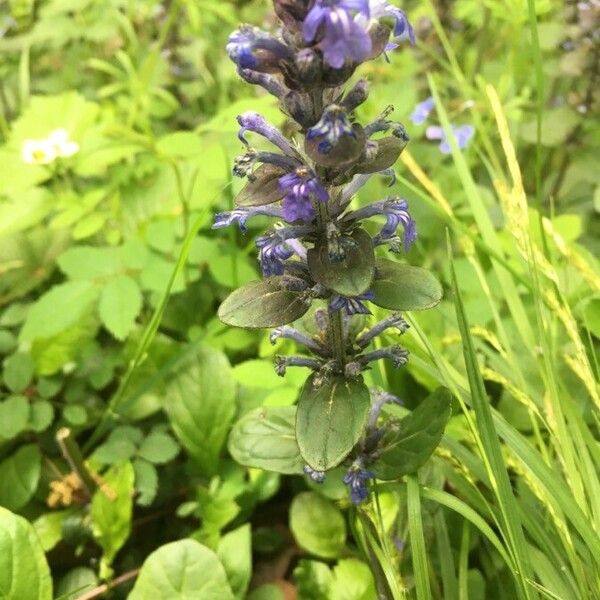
x=321, y=250
x=45, y=151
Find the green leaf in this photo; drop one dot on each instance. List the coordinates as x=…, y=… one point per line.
x=313, y=579
x=90, y=262
x=265, y=439
x=267, y=303
x=75, y=414
x=111, y=516
x=19, y=477
x=235, y=553
x=158, y=448
x=146, y=481
x=181, y=144
x=41, y=417
x=24, y=572
x=18, y=371
x=350, y=276
x=8, y=341
x=14, y=414
x=352, y=580
x=399, y=286
x=184, y=570
x=268, y=591
x=75, y=583
x=388, y=151
x=48, y=528
x=318, y=525
x=407, y=445
x=263, y=189
x=120, y=304
x=200, y=402
x=330, y=419
x=59, y=308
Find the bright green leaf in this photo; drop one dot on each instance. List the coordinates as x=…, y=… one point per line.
x=18, y=371
x=14, y=414
x=158, y=448
x=235, y=553
x=120, y=304
x=19, y=477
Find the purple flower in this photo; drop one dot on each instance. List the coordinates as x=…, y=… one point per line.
x=352, y=306
x=301, y=186
x=251, y=48
x=422, y=111
x=333, y=125
x=356, y=479
x=273, y=251
x=241, y=216
x=344, y=38
x=462, y=135
x=396, y=214
x=252, y=121
x=402, y=28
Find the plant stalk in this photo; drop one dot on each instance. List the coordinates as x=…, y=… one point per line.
x=72, y=454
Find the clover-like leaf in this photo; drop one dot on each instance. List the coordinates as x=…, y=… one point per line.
x=268, y=303
x=265, y=439
x=399, y=286
x=353, y=274
x=263, y=188
x=408, y=444
x=330, y=419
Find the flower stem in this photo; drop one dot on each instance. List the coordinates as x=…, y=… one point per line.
x=72, y=453
x=336, y=332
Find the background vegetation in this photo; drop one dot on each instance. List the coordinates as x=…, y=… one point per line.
x=111, y=275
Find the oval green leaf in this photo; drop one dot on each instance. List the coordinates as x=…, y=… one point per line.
x=266, y=303
x=265, y=439
x=24, y=572
x=408, y=445
x=399, y=286
x=183, y=570
x=330, y=419
x=388, y=151
x=351, y=276
x=19, y=477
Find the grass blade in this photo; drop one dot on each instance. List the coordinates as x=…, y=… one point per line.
x=417, y=539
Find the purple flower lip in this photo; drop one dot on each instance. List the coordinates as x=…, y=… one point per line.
x=251, y=48
x=356, y=479
x=422, y=111
x=462, y=134
x=252, y=121
x=343, y=38
x=352, y=306
x=301, y=185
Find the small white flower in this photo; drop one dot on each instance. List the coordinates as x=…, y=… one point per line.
x=38, y=152
x=63, y=146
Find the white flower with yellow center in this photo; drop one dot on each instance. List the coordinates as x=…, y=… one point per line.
x=63, y=146
x=38, y=152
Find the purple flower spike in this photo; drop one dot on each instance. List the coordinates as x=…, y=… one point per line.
x=344, y=38
x=422, y=111
x=352, y=306
x=356, y=479
x=272, y=254
x=301, y=186
x=462, y=135
x=252, y=121
x=333, y=125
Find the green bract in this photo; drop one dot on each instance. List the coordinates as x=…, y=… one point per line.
x=399, y=286
x=266, y=303
x=408, y=444
x=351, y=275
x=331, y=417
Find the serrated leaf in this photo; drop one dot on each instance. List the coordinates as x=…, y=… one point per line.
x=263, y=188
x=350, y=276
x=266, y=303
x=408, y=445
x=58, y=309
x=318, y=525
x=146, y=482
x=24, y=572
x=120, y=304
x=330, y=419
x=90, y=262
x=265, y=439
x=158, y=448
x=14, y=414
x=200, y=403
x=399, y=286
x=111, y=515
x=19, y=477
x=17, y=371
x=183, y=570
